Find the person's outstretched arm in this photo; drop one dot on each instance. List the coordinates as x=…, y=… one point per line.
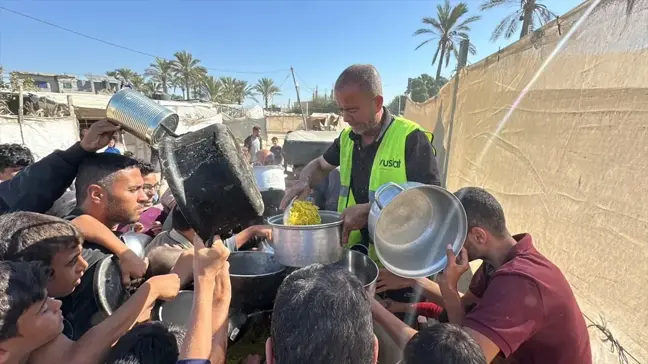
x=38, y=186
x=208, y=264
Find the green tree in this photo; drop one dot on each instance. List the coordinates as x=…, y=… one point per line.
x=161, y=72
x=529, y=12
x=137, y=81
x=198, y=80
x=449, y=30
x=396, y=107
x=150, y=87
x=213, y=88
x=243, y=91
x=424, y=87
x=122, y=74
x=267, y=89
x=185, y=67
x=229, y=89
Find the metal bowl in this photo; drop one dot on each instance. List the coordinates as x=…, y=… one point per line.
x=302, y=245
x=362, y=267
x=141, y=116
x=412, y=230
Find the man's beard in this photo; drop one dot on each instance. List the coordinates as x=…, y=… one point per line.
x=370, y=128
x=118, y=214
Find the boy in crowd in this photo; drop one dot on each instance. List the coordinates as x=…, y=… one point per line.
x=276, y=151
x=442, y=344
x=13, y=158
x=151, y=342
x=31, y=323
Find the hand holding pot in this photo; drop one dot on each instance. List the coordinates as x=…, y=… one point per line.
x=388, y=281
x=355, y=218
x=301, y=190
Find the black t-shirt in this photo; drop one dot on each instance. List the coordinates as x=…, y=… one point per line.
x=79, y=307
x=276, y=152
x=420, y=161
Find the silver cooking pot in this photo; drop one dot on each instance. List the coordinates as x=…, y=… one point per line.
x=411, y=225
x=362, y=267
x=136, y=242
x=299, y=246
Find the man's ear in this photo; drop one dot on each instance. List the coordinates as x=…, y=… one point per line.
x=376, y=349
x=268, y=352
x=481, y=235
x=96, y=193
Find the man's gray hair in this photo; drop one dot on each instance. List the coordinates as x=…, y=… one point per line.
x=364, y=75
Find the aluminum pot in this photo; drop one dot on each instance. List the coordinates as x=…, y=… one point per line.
x=411, y=224
x=299, y=246
x=141, y=116
x=255, y=278
x=362, y=267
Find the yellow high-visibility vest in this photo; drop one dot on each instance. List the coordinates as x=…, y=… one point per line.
x=388, y=166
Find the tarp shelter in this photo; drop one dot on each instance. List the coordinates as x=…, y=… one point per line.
x=302, y=146
x=41, y=135
x=569, y=159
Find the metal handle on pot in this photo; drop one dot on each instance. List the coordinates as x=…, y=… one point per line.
x=378, y=193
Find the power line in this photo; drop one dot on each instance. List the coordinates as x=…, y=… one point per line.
x=128, y=48
x=304, y=82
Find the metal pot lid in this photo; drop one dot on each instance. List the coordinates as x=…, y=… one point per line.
x=136, y=242
x=178, y=310
x=109, y=291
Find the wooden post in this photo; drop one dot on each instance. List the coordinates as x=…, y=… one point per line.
x=20, y=112
x=301, y=107
x=70, y=103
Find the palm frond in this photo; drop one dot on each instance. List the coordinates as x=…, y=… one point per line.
x=499, y=29
x=424, y=43
x=489, y=4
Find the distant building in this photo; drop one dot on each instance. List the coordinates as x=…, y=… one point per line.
x=99, y=84
x=50, y=82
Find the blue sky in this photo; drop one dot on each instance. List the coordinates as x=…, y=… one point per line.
x=318, y=38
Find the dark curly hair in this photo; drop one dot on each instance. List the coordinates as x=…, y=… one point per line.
x=14, y=155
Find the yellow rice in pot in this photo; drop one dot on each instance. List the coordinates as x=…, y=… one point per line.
x=304, y=213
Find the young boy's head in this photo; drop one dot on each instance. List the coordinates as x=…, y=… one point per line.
x=13, y=158
x=443, y=344
x=275, y=140
x=28, y=318
x=151, y=342
x=28, y=236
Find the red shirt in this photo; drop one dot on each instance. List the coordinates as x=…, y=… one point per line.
x=528, y=309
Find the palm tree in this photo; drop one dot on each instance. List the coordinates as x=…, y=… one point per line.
x=449, y=30
x=198, y=76
x=184, y=67
x=229, y=89
x=243, y=91
x=528, y=13
x=213, y=88
x=151, y=87
x=267, y=89
x=122, y=74
x=160, y=72
x=137, y=82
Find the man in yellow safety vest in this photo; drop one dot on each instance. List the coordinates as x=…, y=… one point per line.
x=376, y=148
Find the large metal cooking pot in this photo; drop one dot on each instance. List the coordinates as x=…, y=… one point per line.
x=411, y=224
x=255, y=277
x=302, y=245
x=362, y=267
x=141, y=116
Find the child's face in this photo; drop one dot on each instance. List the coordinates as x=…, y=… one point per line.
x=41, y=323
x=67, y=269
x=275, y=142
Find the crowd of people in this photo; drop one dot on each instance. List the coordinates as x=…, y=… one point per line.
x=519, y=306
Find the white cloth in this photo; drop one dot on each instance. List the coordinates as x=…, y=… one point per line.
x=255, y=146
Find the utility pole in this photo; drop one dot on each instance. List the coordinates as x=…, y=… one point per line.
x=301, y=108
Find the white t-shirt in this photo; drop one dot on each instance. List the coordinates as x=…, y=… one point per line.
x=255, y=146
